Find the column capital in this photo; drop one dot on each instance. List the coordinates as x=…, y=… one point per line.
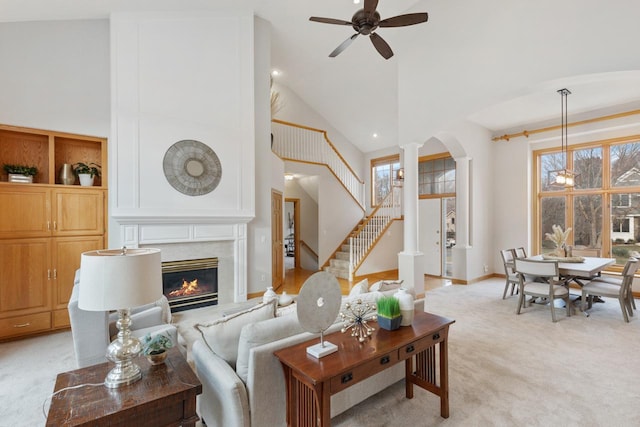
x=411, y=144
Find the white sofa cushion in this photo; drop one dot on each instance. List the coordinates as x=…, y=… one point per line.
x=385, y=285
x=222, y=336
x=259, y=333
x=362, y=287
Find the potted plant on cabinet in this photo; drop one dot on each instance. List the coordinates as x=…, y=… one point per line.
x=20, y=173
x=155, y=348
x=86, y=172
x=389, y=316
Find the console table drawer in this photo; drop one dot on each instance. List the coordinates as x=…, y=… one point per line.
x=422, y=344
x=364, y=371
x=20, y=325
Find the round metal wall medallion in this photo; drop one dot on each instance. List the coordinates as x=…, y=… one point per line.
x=192, y=168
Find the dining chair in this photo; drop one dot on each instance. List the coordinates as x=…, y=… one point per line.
x=550, y=288
x=520, y=252
x=511, y=276
x=613, y=288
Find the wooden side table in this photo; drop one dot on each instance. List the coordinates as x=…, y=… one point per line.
x=165, y=396
x=311, y=382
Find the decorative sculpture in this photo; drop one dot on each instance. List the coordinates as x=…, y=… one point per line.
x=356, y=318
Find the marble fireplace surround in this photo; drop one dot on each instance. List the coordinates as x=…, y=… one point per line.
x=227, y=242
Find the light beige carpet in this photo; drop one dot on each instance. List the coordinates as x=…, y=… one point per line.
x=505, y=370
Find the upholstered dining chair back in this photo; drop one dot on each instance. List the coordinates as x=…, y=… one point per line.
x=539, y=279
x=613, y=288
x=511, y=276
x=520, y=252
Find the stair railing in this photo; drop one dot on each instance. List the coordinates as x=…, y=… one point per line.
x=309, y=145
x=364, y=239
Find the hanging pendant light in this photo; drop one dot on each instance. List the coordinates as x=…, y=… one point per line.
x=564, y=176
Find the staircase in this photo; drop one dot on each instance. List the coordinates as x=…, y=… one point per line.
x=358, y=245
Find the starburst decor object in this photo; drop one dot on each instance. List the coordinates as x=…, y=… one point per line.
x=356, y=318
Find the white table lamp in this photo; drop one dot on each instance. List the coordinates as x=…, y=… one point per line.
x=119, y=280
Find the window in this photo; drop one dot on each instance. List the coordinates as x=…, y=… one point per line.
x=383, y=173
x=437, y=175
x=602, y=207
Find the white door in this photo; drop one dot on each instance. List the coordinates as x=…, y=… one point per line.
x=430, y=240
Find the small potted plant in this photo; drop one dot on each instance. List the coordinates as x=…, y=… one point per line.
x=155, y=348
x=20, y=173
x=86, y=172
x=389, y=316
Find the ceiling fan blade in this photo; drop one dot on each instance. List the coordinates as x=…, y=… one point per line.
x=345, y=44
x=370, y=6
x=329, y=21
x=404, y=20
x=381, y=46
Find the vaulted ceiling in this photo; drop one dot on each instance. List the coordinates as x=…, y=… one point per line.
x=497, y=63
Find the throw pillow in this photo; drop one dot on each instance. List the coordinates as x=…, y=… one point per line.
x=362, y=287
x=260, y=333
x=385, y=285
x=222, y=336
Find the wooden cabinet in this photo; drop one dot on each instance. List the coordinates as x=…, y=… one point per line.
x=44, y=227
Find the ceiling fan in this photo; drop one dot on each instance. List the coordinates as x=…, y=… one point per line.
x=365, y=21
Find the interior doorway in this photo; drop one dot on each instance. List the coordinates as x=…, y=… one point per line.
x=437, y=228
x=291, y=233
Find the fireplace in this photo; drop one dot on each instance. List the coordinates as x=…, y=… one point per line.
x=190, y=283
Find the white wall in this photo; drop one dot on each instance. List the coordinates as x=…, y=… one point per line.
x=55, y=75
x=268, y=174
x=169, y=85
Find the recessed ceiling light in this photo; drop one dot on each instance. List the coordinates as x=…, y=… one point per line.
x=289, y=176
x=356, y=1
x=375, y=135
x=275, y=73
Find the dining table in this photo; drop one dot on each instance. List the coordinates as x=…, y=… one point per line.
x=574, y=270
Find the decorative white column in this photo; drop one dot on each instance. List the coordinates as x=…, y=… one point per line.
x=410, y=260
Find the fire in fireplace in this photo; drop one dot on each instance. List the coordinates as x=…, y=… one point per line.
x=190, y=283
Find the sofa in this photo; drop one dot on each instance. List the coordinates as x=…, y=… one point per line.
x=92, y=331
x=248, y=388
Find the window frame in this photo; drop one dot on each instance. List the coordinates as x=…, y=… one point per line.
x=606, y=191
x=438, y=156
x=389, y=160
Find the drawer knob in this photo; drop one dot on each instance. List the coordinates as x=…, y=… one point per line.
x=384, y=360
x=346, y=378
x=410, y=348
x=436, y=336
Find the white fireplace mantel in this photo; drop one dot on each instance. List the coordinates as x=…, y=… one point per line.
x=140, y=231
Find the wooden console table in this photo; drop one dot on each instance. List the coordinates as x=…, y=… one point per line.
x=311, y=382
x=165, y=396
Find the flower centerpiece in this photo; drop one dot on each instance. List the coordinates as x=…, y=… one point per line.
x=559, y=238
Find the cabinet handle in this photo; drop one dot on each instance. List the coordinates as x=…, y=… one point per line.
x=436, y=336
x=55, y=225
x=48, y=274
x=48, y=226
x=346, y=378
x=410, y=348
x=384, y=360
x=55, y=273
x=24, y=325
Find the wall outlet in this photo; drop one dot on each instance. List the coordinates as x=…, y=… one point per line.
x=486, y=268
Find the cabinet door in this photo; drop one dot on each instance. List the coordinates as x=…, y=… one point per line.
x=66, y=260
x=25, y=211
x=25, y=276
x=78, y=212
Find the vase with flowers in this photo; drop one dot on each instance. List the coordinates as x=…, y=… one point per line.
x=559, y=238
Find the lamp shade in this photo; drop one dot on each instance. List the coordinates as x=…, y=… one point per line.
x=119, y=279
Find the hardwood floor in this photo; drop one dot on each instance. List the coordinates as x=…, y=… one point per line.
x=295, y=278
